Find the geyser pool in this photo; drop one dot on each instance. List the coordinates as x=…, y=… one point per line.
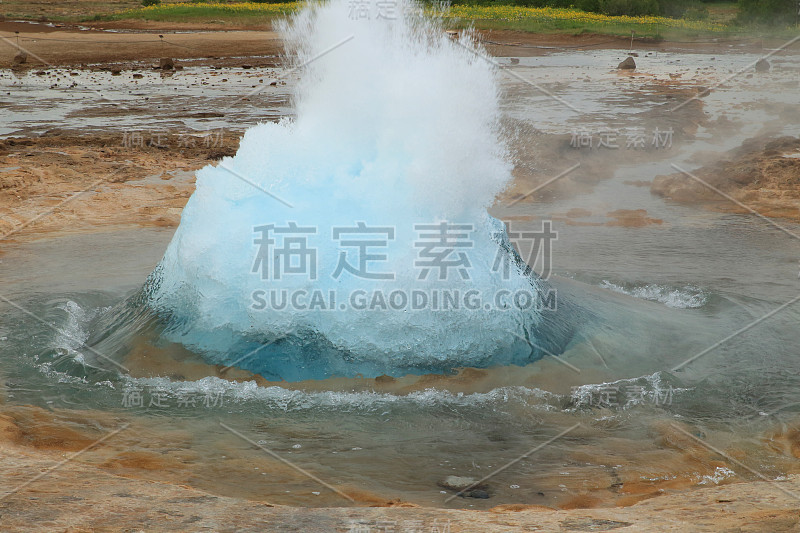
x=396, y=439
x=355, y=239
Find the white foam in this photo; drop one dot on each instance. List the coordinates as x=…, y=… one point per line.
x=688, y=297
x=627, y=393
x=283, y=399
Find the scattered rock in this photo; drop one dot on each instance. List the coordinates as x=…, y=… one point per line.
x=247, y=67
x=628, y=64
x=459, y=483
x=116, y=71
x=762, y=65
x=480, y=494
x=166, y=63
x=456, y=482
x=138, y=76
x=274, y=83
x=21, y=58
x=633, y=54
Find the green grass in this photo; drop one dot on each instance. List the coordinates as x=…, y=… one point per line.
x=535, y=20
x=722, y=12
x=646, y=31
x=555, y=20
x=236, y=13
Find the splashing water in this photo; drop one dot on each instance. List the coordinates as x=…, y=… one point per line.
x=396, y=126
x=688, y=297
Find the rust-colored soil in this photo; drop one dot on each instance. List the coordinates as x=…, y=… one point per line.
x=762, y=175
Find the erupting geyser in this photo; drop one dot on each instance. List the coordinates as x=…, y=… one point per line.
x=354, y=238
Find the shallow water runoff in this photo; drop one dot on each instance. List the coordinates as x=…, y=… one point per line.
x=368, y=292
